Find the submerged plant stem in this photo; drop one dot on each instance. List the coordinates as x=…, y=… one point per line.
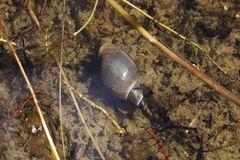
x=50, y=140
x=32, y=14
x=79, y=112
x=120, y=129
x=89, y=19
x=176, y=33
x=60, y=83
x=181, y=61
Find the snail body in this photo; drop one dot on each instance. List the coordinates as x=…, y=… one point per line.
x=119, y=74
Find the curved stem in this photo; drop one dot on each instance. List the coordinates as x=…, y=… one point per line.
x=89, y=19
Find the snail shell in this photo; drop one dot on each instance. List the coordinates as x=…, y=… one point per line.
x=119, y=74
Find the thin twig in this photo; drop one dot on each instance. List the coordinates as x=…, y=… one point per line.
x=32, y=14
x=29, y=27
x=120, y=129
x=60, y=82
x=5, y=41
x=176, y=33
x=79, y=112
x=89, y=19
x=2, y=28
x=27, y=142
x=194, y=120
x=181, y=61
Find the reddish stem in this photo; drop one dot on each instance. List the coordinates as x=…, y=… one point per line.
x=160, y=145
x=14, y=114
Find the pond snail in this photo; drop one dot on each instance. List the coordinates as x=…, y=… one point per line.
x=119, y=75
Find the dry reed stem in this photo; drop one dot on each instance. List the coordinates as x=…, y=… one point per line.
x=79, y=111
x=2, y=28
x=60, y=82
x=120, y=129
x=32, y=14
x=181, y=61
x=5, y=41
x=176, y=33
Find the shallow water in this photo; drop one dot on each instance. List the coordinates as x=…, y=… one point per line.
x=179, y=99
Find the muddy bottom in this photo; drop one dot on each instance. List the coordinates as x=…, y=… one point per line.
x=194, y=122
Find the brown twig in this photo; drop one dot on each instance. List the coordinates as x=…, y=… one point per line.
x=60, y=81
x=5, y=34
x=120, y=130
x=32, y=14
x=181, y=61
x=79, y=111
